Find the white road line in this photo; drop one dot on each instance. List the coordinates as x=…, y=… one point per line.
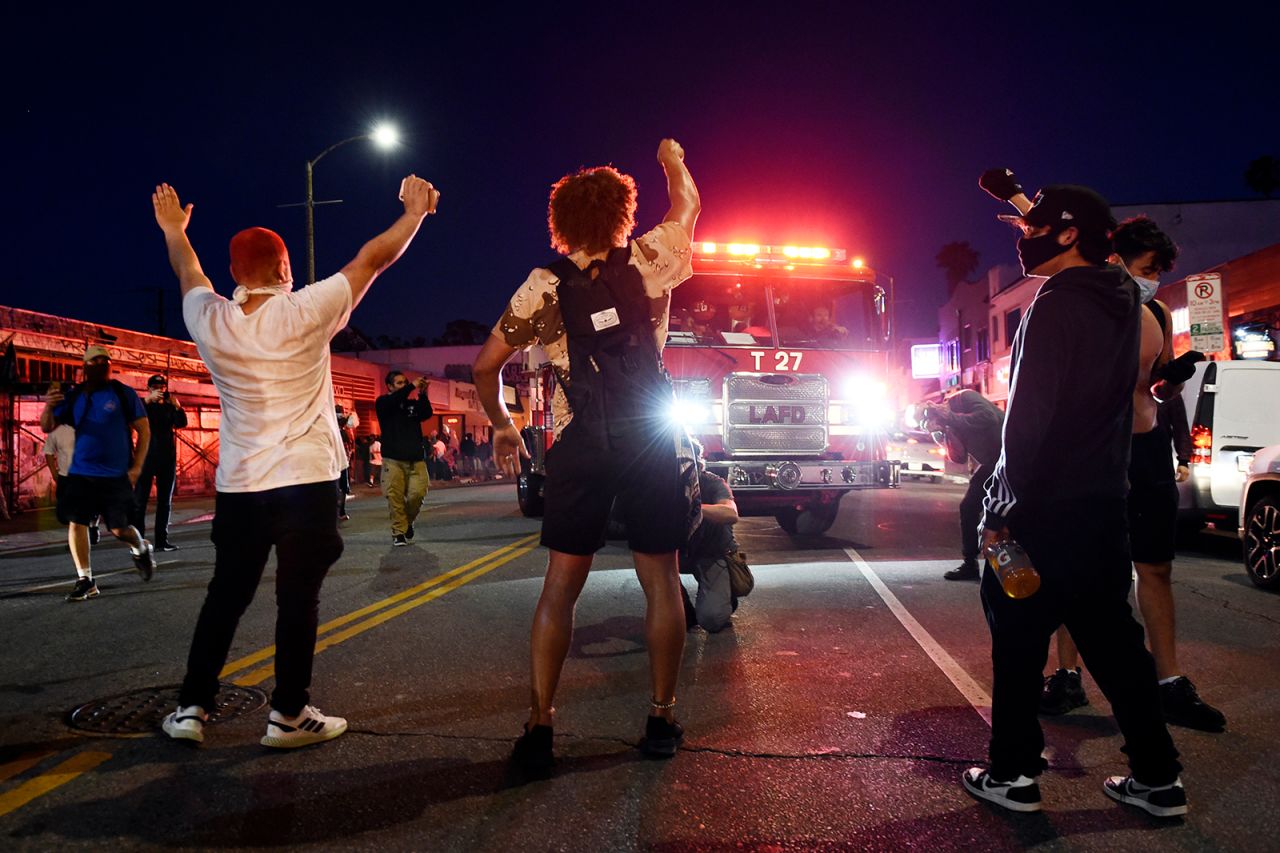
x=969, y=689
x=97, y=576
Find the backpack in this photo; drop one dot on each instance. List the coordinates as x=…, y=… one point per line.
x=616, y=387
x=73, y=397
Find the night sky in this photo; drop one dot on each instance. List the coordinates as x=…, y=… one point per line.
x=862, y=126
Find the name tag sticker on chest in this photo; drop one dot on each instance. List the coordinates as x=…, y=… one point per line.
x=605, y=319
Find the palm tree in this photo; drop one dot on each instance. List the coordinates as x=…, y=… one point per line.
x=958, y=260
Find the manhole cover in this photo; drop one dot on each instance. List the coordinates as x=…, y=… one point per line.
x=141, y=711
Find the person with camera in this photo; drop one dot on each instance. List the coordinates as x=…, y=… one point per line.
x=712, y=554
x=404, y=469
x=267, y=350
x=165, y=416
x=111, y=438
x=970, y=425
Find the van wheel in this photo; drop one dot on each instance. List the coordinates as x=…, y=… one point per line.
x=529, y=494
x=813, y=520
x=1262, y=543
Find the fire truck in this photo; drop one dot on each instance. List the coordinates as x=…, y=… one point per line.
x=779, y=360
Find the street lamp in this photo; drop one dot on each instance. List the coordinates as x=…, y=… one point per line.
x=384, y=136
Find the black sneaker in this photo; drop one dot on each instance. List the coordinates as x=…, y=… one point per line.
x=399, y=540
x=1183, y=706
x=408, y=534
x=1062, y=691
x=84, y=588
x=166, y=546
x=532, y=751
x=1165, y=801
x=145, y=561
x=1020, y=795
x=661, y=739
x=966, y=571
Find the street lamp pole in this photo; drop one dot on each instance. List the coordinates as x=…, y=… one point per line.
x=384, y=136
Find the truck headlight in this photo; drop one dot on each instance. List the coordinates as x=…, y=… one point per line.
x=690, y=412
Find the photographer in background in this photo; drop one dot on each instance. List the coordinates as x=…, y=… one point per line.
x=970, y=425
x=165, y=415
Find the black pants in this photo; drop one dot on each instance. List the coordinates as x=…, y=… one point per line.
x=163, y=471
x=1082, y=555
x=971, y=511
x=300, y=522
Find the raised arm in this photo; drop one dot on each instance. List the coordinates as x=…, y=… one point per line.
x=173, y=219
x=420, y=199
x=685, y=204
x=1003, y=185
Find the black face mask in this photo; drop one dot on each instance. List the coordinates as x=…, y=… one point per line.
x=96, y=373
x=1035, y=251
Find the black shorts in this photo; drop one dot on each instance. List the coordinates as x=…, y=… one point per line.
x=1153, y=498
x=81, y=499
x=584, y=477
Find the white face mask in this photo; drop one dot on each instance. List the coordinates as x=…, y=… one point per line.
x=241, y=294
x=1147, y=288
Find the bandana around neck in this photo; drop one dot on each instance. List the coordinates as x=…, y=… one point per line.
x=241, y=294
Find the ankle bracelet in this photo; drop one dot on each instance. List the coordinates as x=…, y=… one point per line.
x=663, y=706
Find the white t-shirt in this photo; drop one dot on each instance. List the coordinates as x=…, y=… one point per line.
x=271, y=369
x=62, y=444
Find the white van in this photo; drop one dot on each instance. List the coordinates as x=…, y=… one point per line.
x=1234, y=411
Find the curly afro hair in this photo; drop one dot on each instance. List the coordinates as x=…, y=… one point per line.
x=592, y=210
x=1138, y=235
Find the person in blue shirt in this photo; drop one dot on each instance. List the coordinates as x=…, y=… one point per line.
x=112, y=435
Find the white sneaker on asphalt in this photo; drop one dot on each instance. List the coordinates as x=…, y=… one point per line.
x=1163, y=801
x=186, y=723
x=307, y=728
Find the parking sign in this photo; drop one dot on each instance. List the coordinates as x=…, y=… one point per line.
x=1204, y=312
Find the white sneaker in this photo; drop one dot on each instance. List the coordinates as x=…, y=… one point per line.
x=186, y=723
x=309, y=727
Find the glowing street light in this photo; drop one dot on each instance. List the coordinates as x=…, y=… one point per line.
x=384, y=136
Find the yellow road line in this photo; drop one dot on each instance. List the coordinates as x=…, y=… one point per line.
x=46, y=782
x=263, y=673
x=270, y=651
x=22, y=764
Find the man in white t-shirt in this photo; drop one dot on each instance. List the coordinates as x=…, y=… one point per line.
x=267, y=349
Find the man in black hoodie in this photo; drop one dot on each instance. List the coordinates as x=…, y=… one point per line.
x=1059, y=490
x=404, y=470
x=976, y=421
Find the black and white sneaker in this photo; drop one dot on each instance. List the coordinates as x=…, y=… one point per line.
x=165, y=546
x=144, y=560
x=1164, y=801
x=1020, y=795
x=186, y=723
x=307, y=728
x=84, y=588
x=399, y=540
x=1063, y=691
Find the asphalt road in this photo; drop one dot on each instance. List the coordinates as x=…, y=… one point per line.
x=836, y=713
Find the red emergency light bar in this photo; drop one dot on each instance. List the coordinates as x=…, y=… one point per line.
x=769, y=254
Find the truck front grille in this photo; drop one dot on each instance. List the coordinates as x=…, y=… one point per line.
x=775, y=413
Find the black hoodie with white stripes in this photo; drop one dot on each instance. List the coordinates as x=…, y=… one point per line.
x=1070, y=415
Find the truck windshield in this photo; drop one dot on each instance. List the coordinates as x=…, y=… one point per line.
x=846, y=315
x=719, y=311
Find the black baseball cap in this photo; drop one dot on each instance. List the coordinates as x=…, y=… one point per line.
x=1068, y=206
x=157, y=381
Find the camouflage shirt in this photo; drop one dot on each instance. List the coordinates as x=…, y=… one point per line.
x=533, y=315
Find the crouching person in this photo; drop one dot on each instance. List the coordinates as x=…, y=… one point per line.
x=712, y=556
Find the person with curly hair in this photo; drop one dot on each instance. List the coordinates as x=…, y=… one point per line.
x=601, y=315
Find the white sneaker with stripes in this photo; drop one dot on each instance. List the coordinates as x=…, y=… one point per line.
x=309, y=727
x=186, y=723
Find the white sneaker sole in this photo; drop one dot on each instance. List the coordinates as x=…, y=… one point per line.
x=1002, y=802
x=183, y=733
x=293, y=741
x=1149, y=808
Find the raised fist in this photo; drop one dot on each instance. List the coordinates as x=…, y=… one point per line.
x=1000, y=183
x=670, y=149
